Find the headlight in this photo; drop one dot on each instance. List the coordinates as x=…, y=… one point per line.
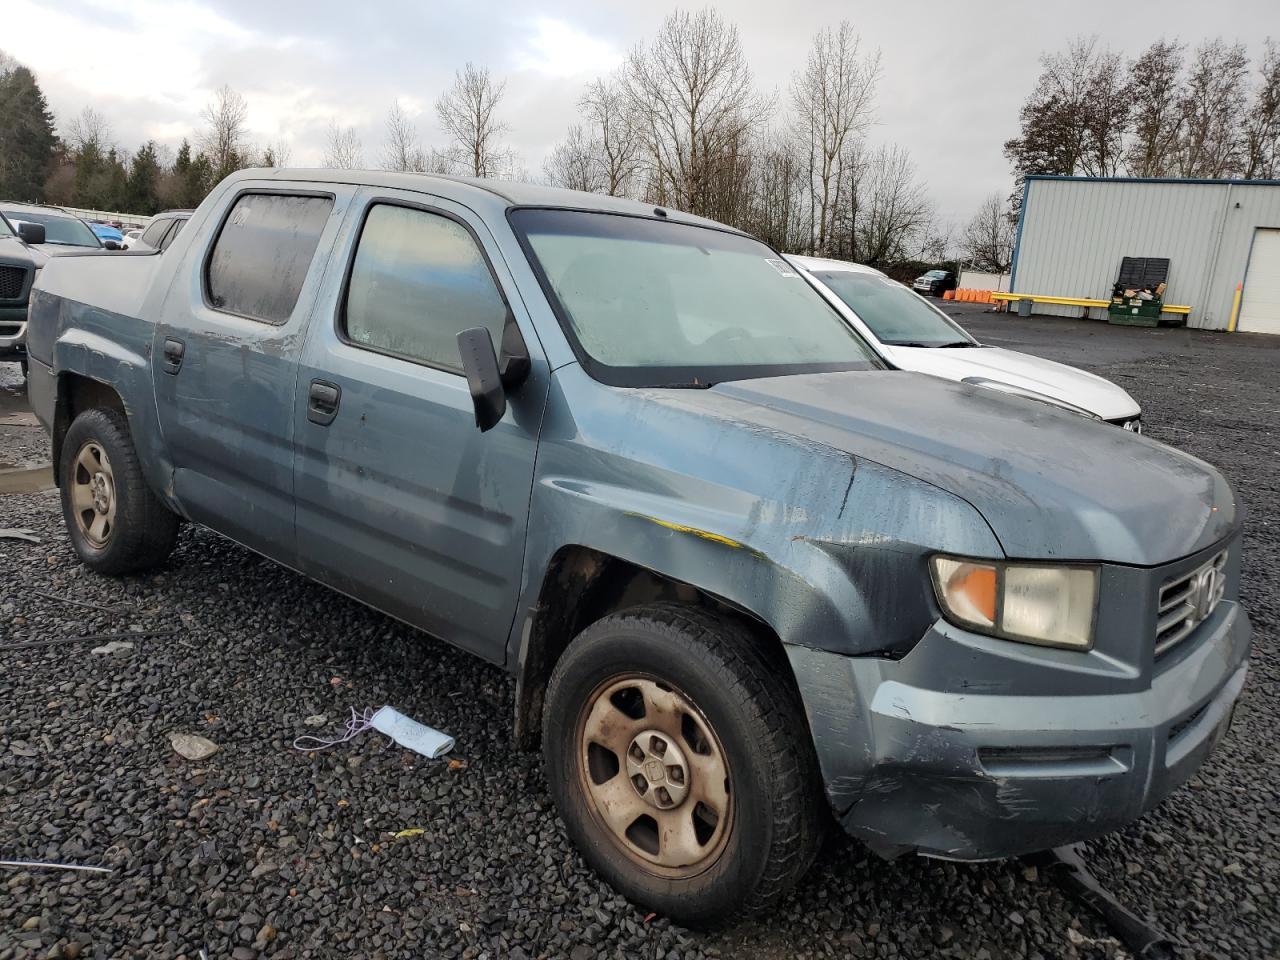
x=1052, y=605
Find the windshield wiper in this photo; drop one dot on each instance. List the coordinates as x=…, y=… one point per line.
x=958, y=343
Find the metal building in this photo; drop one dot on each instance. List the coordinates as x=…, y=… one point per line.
x=1222, y=238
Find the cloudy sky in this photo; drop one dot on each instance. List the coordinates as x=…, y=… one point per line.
x=954, y=73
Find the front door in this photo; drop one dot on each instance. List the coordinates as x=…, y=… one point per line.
x=225, y=358
x=401, y=500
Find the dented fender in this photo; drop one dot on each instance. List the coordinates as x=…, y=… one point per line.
x=828, y=550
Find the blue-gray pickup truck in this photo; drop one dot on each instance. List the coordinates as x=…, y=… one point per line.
x=749, y=577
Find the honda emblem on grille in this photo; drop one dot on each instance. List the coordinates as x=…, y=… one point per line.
x=1206, y=592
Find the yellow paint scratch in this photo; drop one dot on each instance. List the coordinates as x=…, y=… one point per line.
x=682, y=528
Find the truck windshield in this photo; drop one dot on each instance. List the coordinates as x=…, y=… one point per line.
x=67, y=231
x=652, y=303
x=893, y=313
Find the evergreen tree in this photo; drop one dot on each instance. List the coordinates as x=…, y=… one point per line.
x=144, y=180
x=115, y=187
x=27, y=137
x=90, y=167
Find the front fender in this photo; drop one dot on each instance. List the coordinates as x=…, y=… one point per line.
x=829, y=551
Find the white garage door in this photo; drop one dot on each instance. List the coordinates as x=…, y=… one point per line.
x=1260, y=307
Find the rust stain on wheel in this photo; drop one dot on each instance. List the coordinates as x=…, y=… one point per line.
x=93, y=494
x=655, y=775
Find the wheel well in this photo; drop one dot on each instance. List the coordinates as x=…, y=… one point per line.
x=75, y=395
x=582, y=586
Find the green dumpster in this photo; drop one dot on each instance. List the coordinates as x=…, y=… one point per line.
x=1135, y=312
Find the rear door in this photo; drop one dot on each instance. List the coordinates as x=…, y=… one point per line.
x=225, y=358
x=401, y=500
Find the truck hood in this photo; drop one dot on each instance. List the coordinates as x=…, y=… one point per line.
x=13, y=250
x=1055, y=381
x=1052, y=485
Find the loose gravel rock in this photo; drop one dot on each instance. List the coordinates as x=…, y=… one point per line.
x=263, y=851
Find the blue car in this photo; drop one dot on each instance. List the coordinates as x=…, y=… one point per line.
x=105, y=232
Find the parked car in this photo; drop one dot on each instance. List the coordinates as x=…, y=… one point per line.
x=130, y=236
x=913, y=334
x=935, y=283
x=108, y=235
x=62, y=231
x=162, y=230
x=17, y=270
x=738, y=565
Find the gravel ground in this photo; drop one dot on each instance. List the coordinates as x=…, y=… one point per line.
x=22, y=442
x=264, y=851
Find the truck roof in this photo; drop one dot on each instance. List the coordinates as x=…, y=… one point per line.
x=512, y=193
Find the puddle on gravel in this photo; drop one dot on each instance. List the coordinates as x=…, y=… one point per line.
x=26, y=480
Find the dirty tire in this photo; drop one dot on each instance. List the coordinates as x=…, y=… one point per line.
x=144, y=529
x=776, y=816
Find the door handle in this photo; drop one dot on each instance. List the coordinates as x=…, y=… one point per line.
x=322, y=402
x=173, y=352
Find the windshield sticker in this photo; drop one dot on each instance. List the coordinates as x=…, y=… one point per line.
x=782, y=268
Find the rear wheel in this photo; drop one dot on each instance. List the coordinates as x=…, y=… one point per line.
x=681, y=763
x=117, y=525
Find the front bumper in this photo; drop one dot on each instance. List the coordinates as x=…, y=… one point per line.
x=983, y=776
x=13, y=332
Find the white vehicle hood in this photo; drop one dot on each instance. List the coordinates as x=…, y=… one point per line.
x=1055, y=381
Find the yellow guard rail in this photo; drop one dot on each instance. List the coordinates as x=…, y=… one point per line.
x=1074, y=301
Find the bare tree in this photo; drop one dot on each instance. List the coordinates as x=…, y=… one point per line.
x=89, y=129
x=850, y=208
x=343, y=150
x=467, y=111
x=896, y=211
x=283, y=151
x=7, y=63
x=987, y=240
x=780, y=186
x=575, y=162
x=691, y=95
x=832, y=97
x=1154, y=88
x=223, y=140
x=275, y=155
x=401, y=151
x=619, y=151
x=1106, y=109
x=1075, y=119
x=1212, y=104
x=1262, y=126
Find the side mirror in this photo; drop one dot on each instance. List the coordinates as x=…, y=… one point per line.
x=31, y=233
x=513, y=358
x=480, y=363
x=111, y=245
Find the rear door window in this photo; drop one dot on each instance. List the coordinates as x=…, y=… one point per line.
x=418, y=280
x=155, y=232
x=172, y=235
x=262, y=254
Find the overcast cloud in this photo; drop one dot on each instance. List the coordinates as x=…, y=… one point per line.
x=954, y=76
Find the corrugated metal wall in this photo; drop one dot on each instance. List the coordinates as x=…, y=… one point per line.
x=1074, y=232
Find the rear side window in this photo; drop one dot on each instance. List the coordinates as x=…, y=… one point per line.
x=155, y=232
x=263, y=252
x=417, y=281
x=173, y=234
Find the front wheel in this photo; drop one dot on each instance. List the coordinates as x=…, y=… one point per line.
x=681, y=763
x=117, y=525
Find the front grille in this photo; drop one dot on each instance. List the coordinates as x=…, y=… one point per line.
x=1186, y=602
x=13, y=280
